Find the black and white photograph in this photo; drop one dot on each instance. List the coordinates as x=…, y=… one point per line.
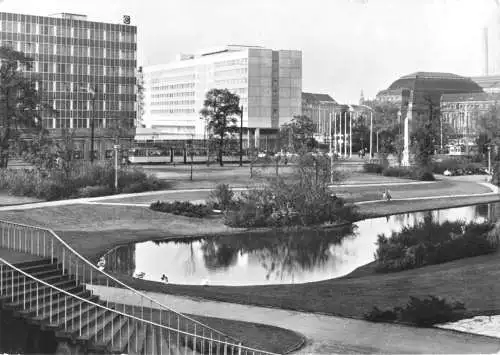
x=234, y=177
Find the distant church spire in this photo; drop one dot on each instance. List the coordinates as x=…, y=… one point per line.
x=361, y=98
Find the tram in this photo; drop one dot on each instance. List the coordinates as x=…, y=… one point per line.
x=148, y=156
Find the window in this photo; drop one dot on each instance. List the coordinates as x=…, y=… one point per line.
x=80, y=33
x=28, y=28
x=80, y=51
x=113, y=36
x=111, y=89
x=112, y=71
x=112, y=53
x=63, y=68
x=47, y=30
x=63, y=86
x=80, y=69
x=62, y=49
x=63, y=31
x=96, y=52
x=127, y=37
x=96, y=70
x=97, y=35
x=62, y=105
x=28, y=48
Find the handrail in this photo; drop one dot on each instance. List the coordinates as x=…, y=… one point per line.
x=5, y=262
x=118, y=281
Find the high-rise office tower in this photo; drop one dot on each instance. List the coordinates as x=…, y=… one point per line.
x=86, y=70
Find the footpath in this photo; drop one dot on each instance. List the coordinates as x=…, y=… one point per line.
x=328, y=334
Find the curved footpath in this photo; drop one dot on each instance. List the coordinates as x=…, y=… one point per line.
x=329, y=334
x=325, y=334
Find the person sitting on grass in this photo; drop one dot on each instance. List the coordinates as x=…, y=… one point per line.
x=386, y=195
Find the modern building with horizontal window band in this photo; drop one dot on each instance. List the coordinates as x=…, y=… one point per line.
x=268, y=82
x=85, y=70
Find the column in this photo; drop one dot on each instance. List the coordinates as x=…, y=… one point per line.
x=335, y=130
x=340, y=134
x=345, y=135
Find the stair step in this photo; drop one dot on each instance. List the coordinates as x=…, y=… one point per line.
x=24, y=264
x=31, y=296
x=137, y=339
x=56, y=306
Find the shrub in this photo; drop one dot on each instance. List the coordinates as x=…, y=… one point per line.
x=221, y=197
x=377, y=315
x=398, y=172
x=184, y=208
x=95, y=191
x=57, y=184
x=284, y=203
x=429, y=242
x=373, y=168
x=447, y=164
x=422, y=312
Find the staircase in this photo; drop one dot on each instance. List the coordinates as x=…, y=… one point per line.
x=51, y=293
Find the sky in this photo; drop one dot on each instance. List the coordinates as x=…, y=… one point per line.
x=347, y=45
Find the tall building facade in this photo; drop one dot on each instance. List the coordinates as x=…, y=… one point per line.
x=85, y=70
x=268, y=82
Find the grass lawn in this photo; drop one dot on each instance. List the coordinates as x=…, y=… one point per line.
x=94, y=229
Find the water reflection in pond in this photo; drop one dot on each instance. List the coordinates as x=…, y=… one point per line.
x=294, y=256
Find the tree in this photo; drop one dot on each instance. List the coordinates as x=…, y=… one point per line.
x=221, y=108
x=20, y=103
x=298, y=134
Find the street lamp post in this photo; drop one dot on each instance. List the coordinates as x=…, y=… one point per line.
x=93, y=92
x=241, y=136
x=116, y=147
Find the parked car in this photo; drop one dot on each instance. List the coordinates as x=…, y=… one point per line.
x=447, y=173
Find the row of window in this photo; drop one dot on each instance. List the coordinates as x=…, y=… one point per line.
x=173, y=87
x=173, y=94
x=458, y=106
x=168, y=72
x=173, y=103
x=226, y=82
x=98, y=105
x=69, y=50
x=174, y=111
x=64, y=86
x=64, y=31
x=231, y=72
x=163, y=80
x=83, y=123
x=232, y=62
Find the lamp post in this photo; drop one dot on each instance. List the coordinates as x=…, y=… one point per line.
x=116, y=147
x=241, y=136
x=93, y=92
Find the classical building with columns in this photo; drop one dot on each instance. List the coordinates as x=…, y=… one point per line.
x=420, y=98
x=463, y=113
x=268, y=82
x=319, y=108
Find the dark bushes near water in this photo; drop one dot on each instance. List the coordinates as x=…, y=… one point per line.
x=184, y=208
x=92, y=181
x=284, y=203
x=421, y=312
x=402, y=172
x=428, y=243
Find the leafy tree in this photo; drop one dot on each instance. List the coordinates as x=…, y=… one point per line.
x=297, y=135
x=221, y=108
x=20, y=103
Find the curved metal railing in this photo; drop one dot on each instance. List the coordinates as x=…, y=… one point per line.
x=105, y=326
x=45, y=242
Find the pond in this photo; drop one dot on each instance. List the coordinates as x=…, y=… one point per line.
x=273, y=257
